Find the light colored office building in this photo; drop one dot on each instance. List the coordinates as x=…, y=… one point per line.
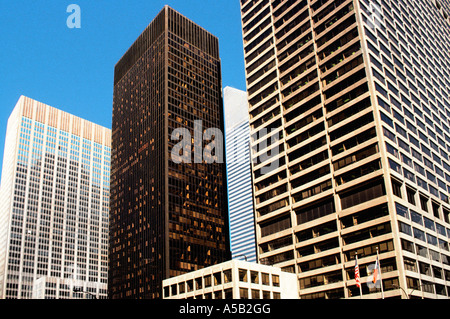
x=234, y=279
x=54, y=205
x=239, y=179
x=354, y=96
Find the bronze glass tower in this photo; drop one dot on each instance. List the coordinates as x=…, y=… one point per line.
x=166, y=218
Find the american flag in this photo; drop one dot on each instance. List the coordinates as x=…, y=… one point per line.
x=357, y=277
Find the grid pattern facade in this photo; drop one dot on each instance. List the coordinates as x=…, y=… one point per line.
x=166, y=218
x=320, y=76
x=234, y=279
x=239, y=178
x=408, y=49
x=55, y=204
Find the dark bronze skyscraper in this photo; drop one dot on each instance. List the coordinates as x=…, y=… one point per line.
x=166, y=218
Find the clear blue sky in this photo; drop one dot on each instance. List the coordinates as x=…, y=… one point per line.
x=72, y=69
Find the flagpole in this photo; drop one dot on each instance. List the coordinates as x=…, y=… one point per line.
x=381, y=279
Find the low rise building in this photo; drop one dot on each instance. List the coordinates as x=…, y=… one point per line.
x=234, y=279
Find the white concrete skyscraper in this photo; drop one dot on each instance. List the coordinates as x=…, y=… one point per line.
x=54, y=205
x=240, y=198
x=356, y=94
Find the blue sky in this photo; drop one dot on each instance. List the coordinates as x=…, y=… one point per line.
x=73, y=69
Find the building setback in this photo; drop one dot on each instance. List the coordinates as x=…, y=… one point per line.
x=168, y=212
x=353, y=96
x=54, y=204
x=239, y=178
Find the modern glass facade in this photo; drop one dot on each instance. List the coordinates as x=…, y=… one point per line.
x=54, y=204
x=356, y=94
x=168, y=216
x=239, y=178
